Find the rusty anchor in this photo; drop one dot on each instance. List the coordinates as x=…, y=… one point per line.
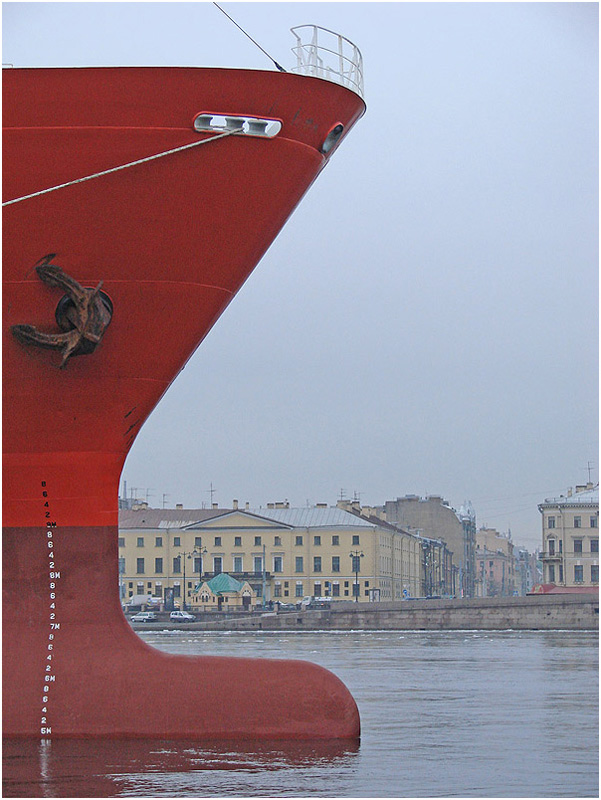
x=82, y=314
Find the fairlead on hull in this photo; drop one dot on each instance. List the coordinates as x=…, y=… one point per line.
x=136, y=203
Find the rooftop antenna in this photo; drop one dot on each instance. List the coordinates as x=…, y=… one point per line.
x=211, y=491
x=589, y=466
x=278, y=66
x=164, y=496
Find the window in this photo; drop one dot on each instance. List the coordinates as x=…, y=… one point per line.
x=355, y=590
x=277, y=541
x=218, y=541
x=335, y=590
x=561, y=545
x=299, y=541
x=594, y=573
x=237, y=541
x=317, y=540
x=594, y=545
x=176, y=590
x=158, y=589
x=335, y=563
x=298, y=590
x=356, y=563
x=277, y=590
x=578, y=573
x=551, y=522
x=593, y=522
x=551, y=573
x=298, y=564
x=158, y=565
x=561, y=573
x=278, y=564
x=158, y=541
x=121, y=541
x=217, y=565
x=355, y=539
x=121, y=566
x=197, y=564
x=551, y=543
x=238, y=564
x=198, y=541
x=578, y=545
x=316, y=563
x=258, y=562
x=578, y=522
x=140, y=566
x=257, y=541
x=139, y=588
x=140, y=541
x=335, y=539
x=177, y=542
x=317, y=590
x=177, y=564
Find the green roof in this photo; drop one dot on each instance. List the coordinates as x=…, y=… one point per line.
x=224, y=583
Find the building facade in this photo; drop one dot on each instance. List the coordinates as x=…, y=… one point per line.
x=433, y=518
x=283, y=553
x=570, y=532
x=495, y=564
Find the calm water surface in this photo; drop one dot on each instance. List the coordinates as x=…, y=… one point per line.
x=444, y=714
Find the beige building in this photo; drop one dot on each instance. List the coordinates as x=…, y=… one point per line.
x=495, y=564
x=432, y=517
x=283, y=553
x=571, y=538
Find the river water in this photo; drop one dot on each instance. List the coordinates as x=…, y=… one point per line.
x=444, y=714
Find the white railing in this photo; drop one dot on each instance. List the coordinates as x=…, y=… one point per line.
x=325, y=54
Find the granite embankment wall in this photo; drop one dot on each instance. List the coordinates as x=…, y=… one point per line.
x=537, y=612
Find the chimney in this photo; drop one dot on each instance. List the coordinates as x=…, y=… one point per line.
x=179, y=505
x=235, y=505
x=580, y=488
x=215, y=505
x=247, y=505
x=321, y=505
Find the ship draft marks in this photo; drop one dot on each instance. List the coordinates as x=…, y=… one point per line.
x=82, y=314
x=54, y=576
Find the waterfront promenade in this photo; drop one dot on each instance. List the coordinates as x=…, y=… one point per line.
x=535, y=612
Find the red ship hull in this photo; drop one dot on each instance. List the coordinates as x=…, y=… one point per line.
x=172, y=240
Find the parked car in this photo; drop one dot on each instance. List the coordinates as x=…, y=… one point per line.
x=286, y=606
x=144, y=616
x=181, y=616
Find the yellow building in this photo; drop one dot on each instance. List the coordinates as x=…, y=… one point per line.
x=283, y=553
x=571, y=538
x=223, y=593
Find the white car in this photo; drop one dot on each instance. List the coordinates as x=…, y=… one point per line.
x=144, y=616
x=181, y=616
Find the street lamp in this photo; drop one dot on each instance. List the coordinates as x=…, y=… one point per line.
x=356, y=556
x=189, y=555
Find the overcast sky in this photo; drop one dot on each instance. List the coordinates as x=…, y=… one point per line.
x=426, y=322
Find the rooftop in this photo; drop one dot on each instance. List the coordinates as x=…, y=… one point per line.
x=583, y=496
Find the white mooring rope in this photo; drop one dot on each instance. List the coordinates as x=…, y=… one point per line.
x=123, y=166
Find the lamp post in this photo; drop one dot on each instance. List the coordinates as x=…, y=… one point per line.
x=184, y=555
x=200, y=552
x=356, y=556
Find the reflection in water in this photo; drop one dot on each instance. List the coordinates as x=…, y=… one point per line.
x=111, y=768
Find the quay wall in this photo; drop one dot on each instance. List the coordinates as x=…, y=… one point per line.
x=536, y=612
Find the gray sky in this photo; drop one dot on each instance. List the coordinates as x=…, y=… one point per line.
x=427, y=320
